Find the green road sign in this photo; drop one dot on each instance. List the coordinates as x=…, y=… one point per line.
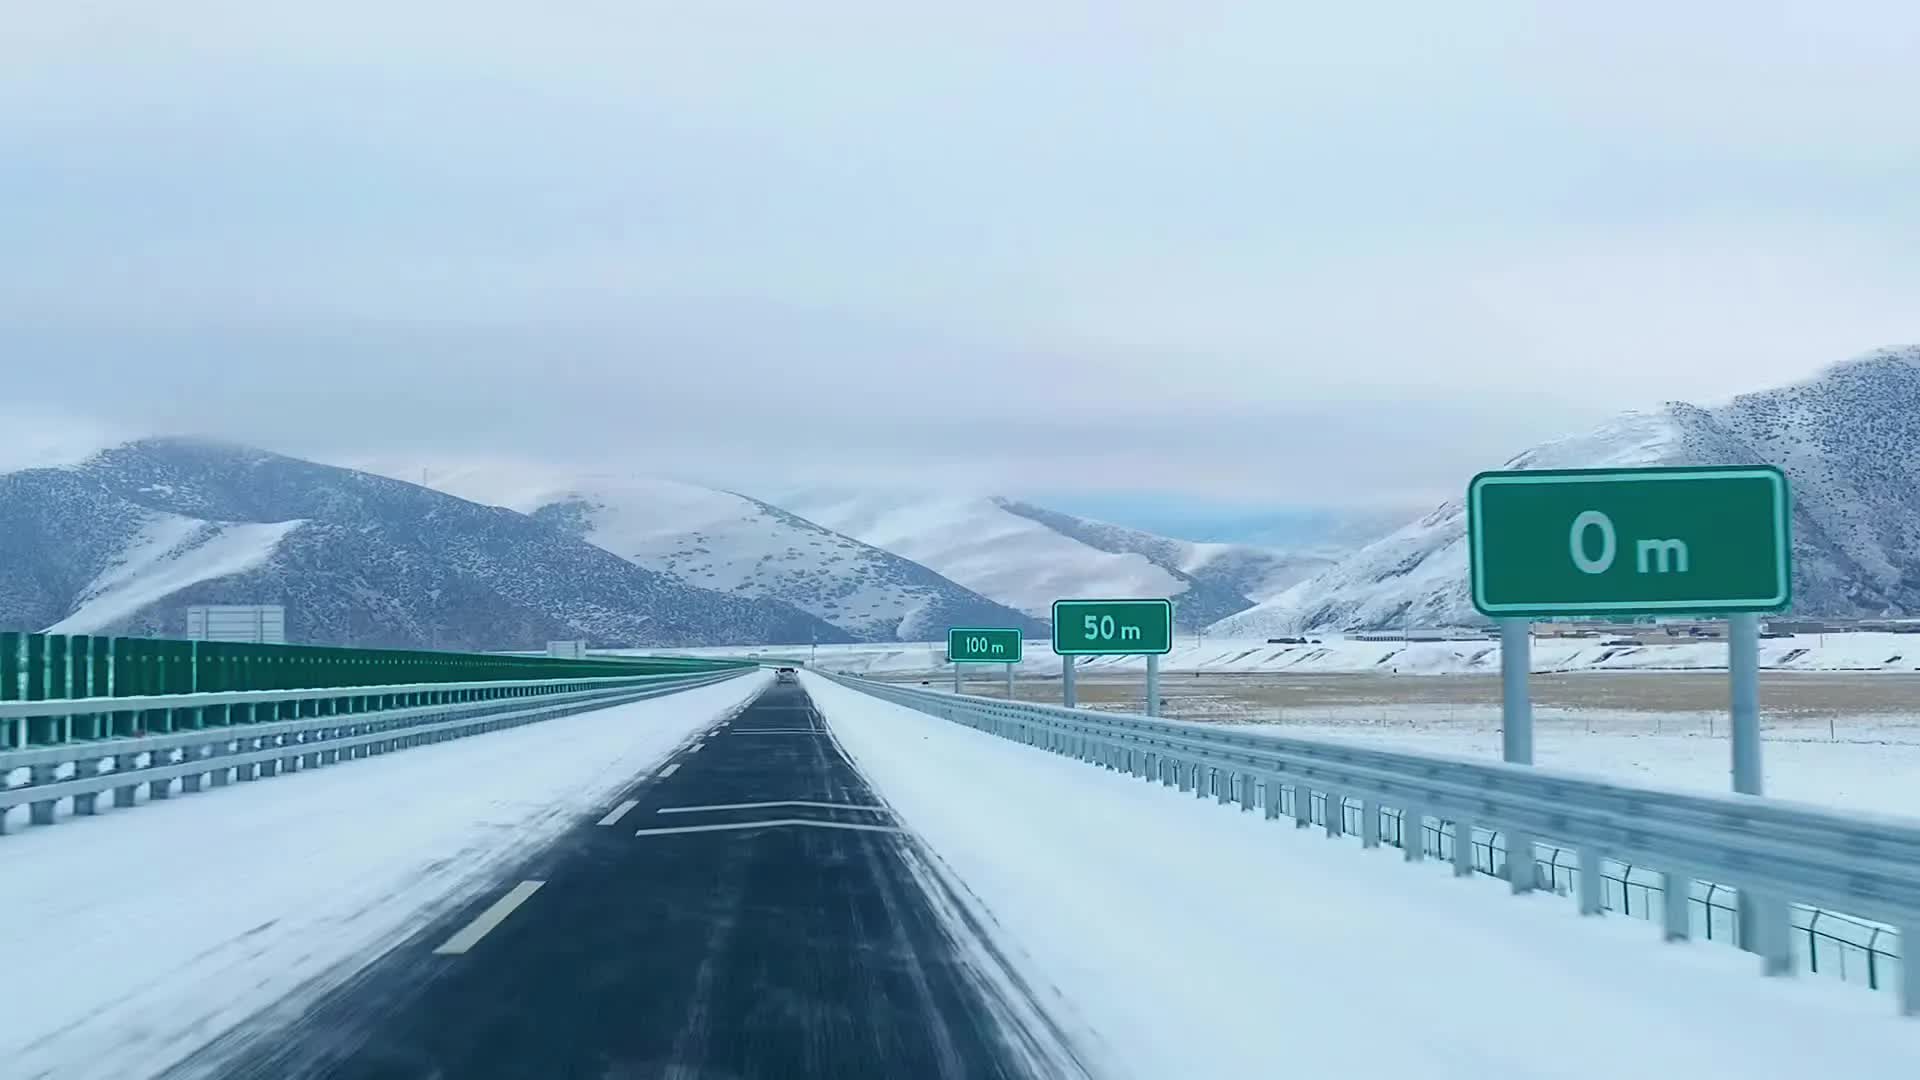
x=1112, y=627
x=1629, y=541
x=978, y=645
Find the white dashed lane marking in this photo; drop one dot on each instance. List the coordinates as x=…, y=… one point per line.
x=758, y=805
x=618, y=812
x=469, y=935
x=734, y=826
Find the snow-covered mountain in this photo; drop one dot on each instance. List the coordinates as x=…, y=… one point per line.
x=123, y=541
x=739, y=545
x=1849, y=441
x=1026, y=556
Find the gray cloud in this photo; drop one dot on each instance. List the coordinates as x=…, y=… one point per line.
x=1225, y=248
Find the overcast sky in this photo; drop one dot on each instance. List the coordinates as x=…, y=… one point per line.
x=1255, y=251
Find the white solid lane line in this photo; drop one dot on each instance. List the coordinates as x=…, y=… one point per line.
x=736, y=825
x=619, y=812
x=758, y=805
x=669, y=770
x=470, y=934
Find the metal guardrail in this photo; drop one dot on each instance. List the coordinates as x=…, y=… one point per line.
x=64, y=667
x=1765, y=854
x=329, y=724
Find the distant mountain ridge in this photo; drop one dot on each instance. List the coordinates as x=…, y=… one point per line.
x=1848, y=440
x=123, y=541
x=1221, y=579
x=741, y=546
x=1026, y=556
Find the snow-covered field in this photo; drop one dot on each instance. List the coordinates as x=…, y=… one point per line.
x=1879, y=776
x=1341, y=655
x=1170, y=937
x=136, y=937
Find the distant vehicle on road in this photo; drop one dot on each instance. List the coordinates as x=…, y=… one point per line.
x=785, y=674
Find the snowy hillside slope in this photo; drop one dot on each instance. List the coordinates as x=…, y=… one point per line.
x=990, y=549
x=1223, y=577
x=739, y=545
x=169, y=554
x=1849, y=441
x=123, y=541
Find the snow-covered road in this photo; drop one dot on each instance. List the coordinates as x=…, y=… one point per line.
x=1172, y=937
x=129, y=940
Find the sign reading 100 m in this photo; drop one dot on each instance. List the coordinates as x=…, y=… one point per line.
x=1627, y=541
x=980, y=645
x=1112, y=627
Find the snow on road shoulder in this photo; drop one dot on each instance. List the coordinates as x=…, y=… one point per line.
x=1163, y=932
x=150, y=932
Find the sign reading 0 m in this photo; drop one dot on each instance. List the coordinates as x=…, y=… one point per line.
x=1708, y=540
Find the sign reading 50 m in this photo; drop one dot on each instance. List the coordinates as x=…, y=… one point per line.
x=1628, y=541
x=1112, y=627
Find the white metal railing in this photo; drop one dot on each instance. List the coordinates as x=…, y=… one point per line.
x=331, y=724
x=1774, y=854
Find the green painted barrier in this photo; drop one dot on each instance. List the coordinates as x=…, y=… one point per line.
x=54, y=667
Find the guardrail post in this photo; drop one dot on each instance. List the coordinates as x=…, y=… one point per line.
x=1772, y=925
x=1676, y=888
x=1270, y=793
x=190, y=783
x=1302, y=806
x=1590, y=881
x=1369, y=823
x=1247, y=784
x=1223, y=786
x=1909, y=969
x=1180, y=774
x=159, y=789
x=1462, y=848
x=86, y=804
x=1521, y=874
x=41, y=812
x=1335, y=812
x=1413, y=833
x=123, y=796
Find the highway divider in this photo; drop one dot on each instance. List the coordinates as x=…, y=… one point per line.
x=81, y=717
x=53, y=667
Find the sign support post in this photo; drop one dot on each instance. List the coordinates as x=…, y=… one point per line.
x=1755, y=913
x=1516, y=707
x=1516, y=735
x=1009, y=682
x=1153, y=684
x=1067, y=696
x=1743, y=669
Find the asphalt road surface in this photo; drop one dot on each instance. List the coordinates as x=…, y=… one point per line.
x=744, y=911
